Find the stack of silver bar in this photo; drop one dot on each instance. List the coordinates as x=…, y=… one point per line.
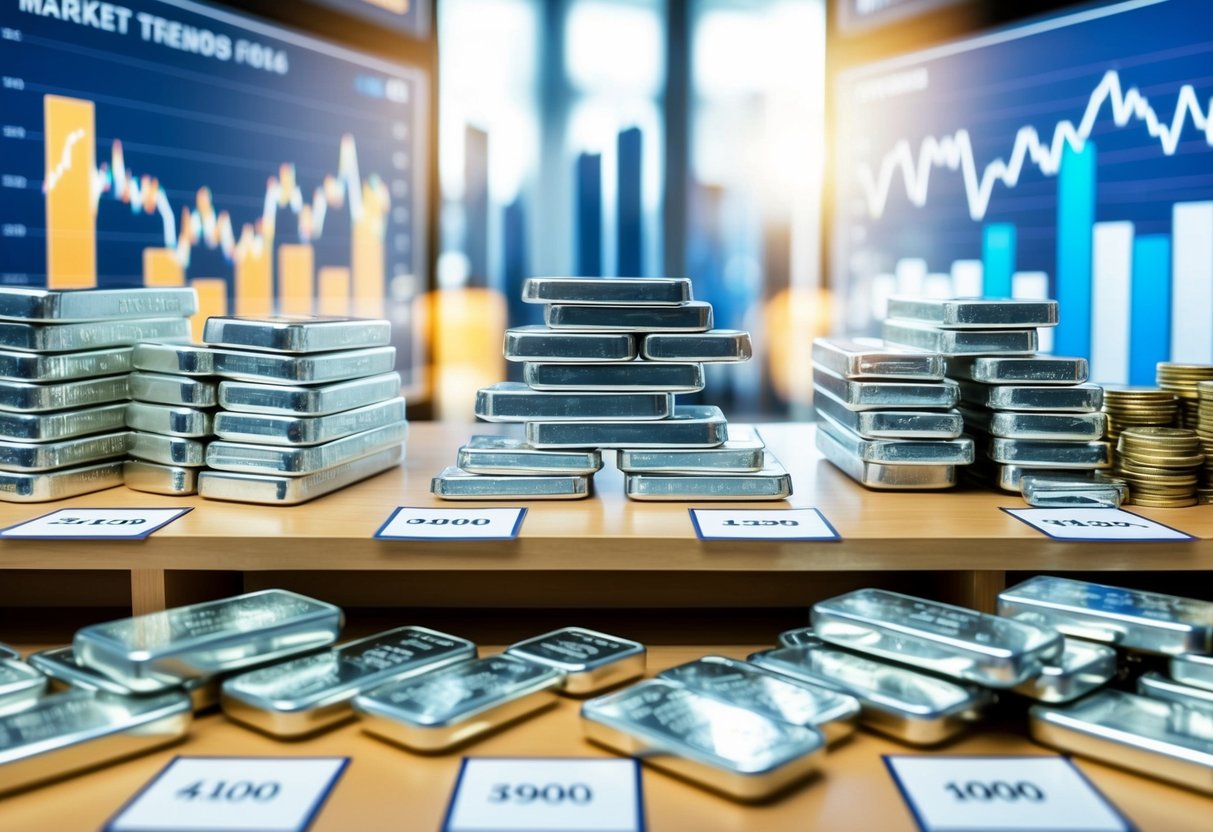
x=887, y=415
x=307, y=405
x=65, y=360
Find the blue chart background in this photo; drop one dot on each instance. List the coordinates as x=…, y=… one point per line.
x=415, y=21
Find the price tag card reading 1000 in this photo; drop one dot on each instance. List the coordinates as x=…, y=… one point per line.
x=94, y=524
x=412, y=523
x=762, y=524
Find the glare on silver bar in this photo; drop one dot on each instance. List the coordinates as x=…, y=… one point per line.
x=484, y=454
x=623, y=376
x=1027, y=369
x=772, y=482
x=35, y=367
x=294, y=461
x=168, y=450
x=25, y=397
x=884, y=477
x=1157, y=686
x=537, y=343
x=1192, y=669
x=890, y=424
x=1042, y=453
x=60, y=665
x=745, y=452
x=49, y=427
x=153, y=478
x=1078, y=427
x=320, y=368
x=319, y=400
x=869, y=395
x=952, y=342
x=510, y=401
x=177, y=359
x=170, y=421
x=1064, y=489
x=1082, y=667
x=46, y=456
x=32, y=304
x=94, y=335
x=692, y=316
x=41, y=487
x=714, y=346
x=165, y=388
x=693, y=426
x=20, y=685
x=860, y=358
x=278, y=490
x=899, y=451
x=297, y=334
x=453, y=483
x=590, y=660
x=800, y=637
x=263, y=429
x=975, y=313
x=1074, y=398
x=653, y=291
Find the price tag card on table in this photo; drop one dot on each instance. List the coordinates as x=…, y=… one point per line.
x=249, y=794
x=94, y=524
x=762, y=524
x=1006, y=794
x=413, y=523
x=546, y=794
x=1096, y=524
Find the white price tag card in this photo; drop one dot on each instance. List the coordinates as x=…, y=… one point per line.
x=249, y=794
x=410, y=523
x=1096, y=524
x=532, y=794
x=95, y=524
x=1007, y=794
x=762, y=524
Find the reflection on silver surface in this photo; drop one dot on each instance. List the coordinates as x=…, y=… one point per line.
x=94, y=335
x=22, y=487
x=745, y=452
x=623, y=376
x=278, y=490
x=456, y=484
x=1026, y=369
x=46, y=456
x=773, y=482
x=1042, y=453
x=884, y=477
x=1193, y=670
x=164, y=388
x=168, y=450
x=24, y=397
x=297, y=334
x=621, y=290
x=1081, y=668
x=714, y=346
x=694, y=426
x=537, y=343
x=169, y=421
x=20, y=685
x=590, y=661
x=975, y=313
x=899, y=451
x=1078, y=427
x=692, y=316
x=175, y=359
x=868, y=395
x=510, y=401
x=33, y=304
x=153, y=478
x=506, y=455
x=1074, y=398
x=952, y=342
x=298, y=462
x=800, y=637
x=1157, y=686
x=304, y=369
x=1064, y=489
x=890, y=424
x=320, y=400
x=60, y=665
x=50, y=427
x=7, y=652
x=263, y=429
x=857, y=358
x=24, y=366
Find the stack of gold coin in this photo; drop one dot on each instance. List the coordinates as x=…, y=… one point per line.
x=1181, y=379
x=1204, y=430
x=1162, y=465
x=1129, y=407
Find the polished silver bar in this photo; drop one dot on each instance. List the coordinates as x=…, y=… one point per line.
x=181, y=391
x=168, y=450
x=1192, y=669
x=507, y=455
x=448, y=707
x=301, y=461
x=71, y=732
x=321, y=400
x=1157, y=686
x=738, y=752
x=263, y=429
x=94, y=335
x=1134, y=619
x=176, y=359
x=24, y=487
x=321, y=368
x=509, y=401
x=1040, y=453
x=20, y=685
x=1074, y=398
x=35, y=367
x=621, y=377
x=312, y=693
x=771, y=483
x=151, y=652
x=302, y=334
x=884, y=477
x=287, y=491
x=1008, y=424
x=912, y=707
x=1026, y=369
x=1130, y=732
x=715, y=346
x=1082, y=667
x=453, y=483
x=692, y=316
x=899, y=451
x=537, y=343
x=169, y=421
x=64, y=424
x=800, y=637
x=890, y=424
x=865, y=358
x=652, y=291
x=744, y=453
x=952, y=342
x=31, y=304
x=590, y=660
x=899, y=395
x=153, y=478
x=65, y=673
x=47, y=456
x=23, y=397
x=975, y=313
x=697, y=426
x=1065, y=489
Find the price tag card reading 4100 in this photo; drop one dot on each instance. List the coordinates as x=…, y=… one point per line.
x=412, y=523
x=94, y=523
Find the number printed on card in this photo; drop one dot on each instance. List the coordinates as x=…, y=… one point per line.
x=93, y=523
x=413, y=523
x=761, y=524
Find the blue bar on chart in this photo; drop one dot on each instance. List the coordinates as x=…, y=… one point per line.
x=998, y=259
x=1111, y=288
x=629, y=207
x=1192, y=283
x=1075, y=220
x=1150, y=330
x=589, y=215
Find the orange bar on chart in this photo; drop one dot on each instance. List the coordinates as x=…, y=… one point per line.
x=295, y=292
x=254, y=280
x=160, y=268
x=367, y=258
x=71, y=213
x=212, y=302
x=334, y=296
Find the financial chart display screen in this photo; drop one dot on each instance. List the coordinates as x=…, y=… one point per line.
x=1069, y=157
x=163, y=142
x=409, y=16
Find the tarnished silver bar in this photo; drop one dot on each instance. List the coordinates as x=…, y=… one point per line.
x=696, y=426
x=94, y=335
x=590, y=660
x=800, y=637
x=952, y=342
x=1025, y=369
x=321, y=400
x=285, y=491
x=975, y=313
x=23, y=397
x=60, y=665
x=47, y=456
x=860, y=358
x=301, y=461
x=771, y=483
x=309, y=694
x=151, y=652
x=537, y=343
x=64, y=424
x=1082, y=667
x=890, y=424
x=1075, y=398
x=507, y=455
x=1157, y=686
x=320, y=368
x=1041, y=453
x=1006, y=424
x=952, y=641
x=1192, y=669
x=454, y=705
x=738, y=752
x=153, y=478
x=715, y=346
x=169, y=421
x=162, y=388
x=692, y=316
x=1131, y=732
x=1150, y=622
x=1064, y=489
x=453, y=483
x=870, y=395
x=168, y=450
x=899, y=451
x=652, y=291
x=509, y=401
x=744, y=453
x=623, y=376
x=35, y=367
x=884, y=477
x=31, y=304
x=263, y=429
x=300, y=334
x=22, y=487
x=176, y=359
x=20, y=685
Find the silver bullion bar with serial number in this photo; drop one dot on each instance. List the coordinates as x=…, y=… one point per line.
x=90, y=336
x=771, y=483
x=692, y=316
x=1131, y=732
x=96, y=304
x=23, y=397
x=264, y=429
x=952, y=641
x=712, y=347
x=320, y=400
x=1082, y=667
x=176, y=359
x=309, y=694
x=268, y=368
x=47, y=456
x=884, y=477
x=738, y=752
x=1192, y=669
x=1041, y=453
x=153, y=478
x=890, y=424
x=21, y=487
x=1076, y=398
x=288, y=491
x=779, y=697
x=952, y=342
x=1018, y=369
x=485, y=454
x=162, y=388
x=1157, y=686
x=1010, y=424
x=151, y=652
x=858, y=358
x=899, y=451
x=302, y=334
x=1133, y=619
x=456, y=484
x=693, y=426
x=168, y=450
x=510, y=401
x=975, y=313
x=64, y=424
x=298, y=462
x=590, y=660
x=448, y=707
x=912, y=707
x=537, y=343
x=1068, y=489
x=60, y=665
x=26, y=366
x=744, y=453
x=169, y=421
x=871, y=395
x=621, y=377
x=20, y=685
x=78, y=730
x=651, y=291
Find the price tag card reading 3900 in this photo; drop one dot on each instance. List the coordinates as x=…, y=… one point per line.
x=1096, y=524
x=94, y=524
x=762, y=524
x=249, y=794
x=412, y=523
x=1007, y=794
x=511, y=794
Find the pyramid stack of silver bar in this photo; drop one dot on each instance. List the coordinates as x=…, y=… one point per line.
x=887, y=416
x=307, y=405
x=65, y=360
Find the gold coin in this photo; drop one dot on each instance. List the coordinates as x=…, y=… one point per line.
x=1152, y=502
x=1150, y=433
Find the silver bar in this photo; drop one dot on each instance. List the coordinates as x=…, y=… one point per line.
x=321, y=400
x=7, y=652
x=873, y=395
x=71, y=732
x=623, y=376
x=301, y=334
x=304, y=369
x=182, y=391
x=261, y=429
x=64, y=424
x=899, y=451
x=537, y=343
x=1054, y=489
x=1026, y=369
x=168, y=450
x=1007, y=424
x=24, y=397
x=176, y=359
x=298, y=462
x=1010, y=477
x=952, y=342
x=1082, y=667
x=975, y=313
x=31, y=304
x=309, y=694
x=169, y=421
x=47, y=456
x=286, y=491
x=771, y=483
x=153, y=478
x=151, y=652
x=696, y=426
x=1041, y=453
x=860, y=358
x=448, y=707
x=744, y=453
x=692, y=316
x=25, y=366
x=1134, y=619
x=1194, y=670
x=1157, y=686
x=653, y=291
x=60, y=666
x=506, y=455
x=740, y=753
x=20, y=685
x=22, y=487
x=712, y=347
x=800, y=637
x=771, y=694
x=884, y=477
x=890, y=424
x=1131, y=732
x=590, y=660
x=456, y=484
x=509, y=401
x=90, y=336
x=1076, y=398
x=952, y=641
x=909, y=706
